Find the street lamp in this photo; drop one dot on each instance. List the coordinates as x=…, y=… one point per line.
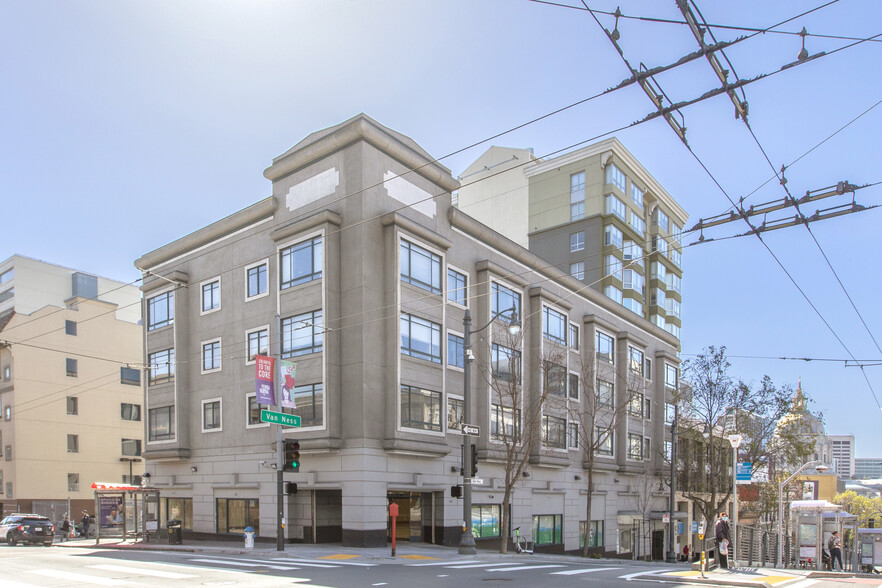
x=131, y=460
x=821, y=468
x=672, y=555
x=467, y=541
x=735, y=441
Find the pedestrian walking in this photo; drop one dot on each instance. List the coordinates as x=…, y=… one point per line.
x=65, y=529
x=834, y=546
x=722, y=539
x=85, y=521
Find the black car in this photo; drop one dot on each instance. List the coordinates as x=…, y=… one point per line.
x=27, y=528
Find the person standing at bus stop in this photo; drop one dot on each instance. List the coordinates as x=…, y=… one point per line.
x=834, y=545
x=722, y=539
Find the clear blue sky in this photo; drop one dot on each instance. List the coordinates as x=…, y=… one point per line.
x=126, y=125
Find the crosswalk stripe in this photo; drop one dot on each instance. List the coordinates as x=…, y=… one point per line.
x=80, y=578
x=643, y=573
x=285, y=559
x=143, y=571
x=512, y=568
x=336, y=563
x=804, y=584
x=444, y=563
x=582, y=571
x=244, y=564
x=480, y=565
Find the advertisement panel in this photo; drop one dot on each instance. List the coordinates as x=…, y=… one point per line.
x=264, y=379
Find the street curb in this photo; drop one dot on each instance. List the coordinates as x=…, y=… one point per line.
x=840, y=575
x=710, y=581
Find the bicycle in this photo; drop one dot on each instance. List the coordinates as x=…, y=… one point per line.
x=521, y=543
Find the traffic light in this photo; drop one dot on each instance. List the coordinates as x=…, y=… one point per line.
x=456, y=491
x=474, y=452
x=292, y=456
x=290, y=487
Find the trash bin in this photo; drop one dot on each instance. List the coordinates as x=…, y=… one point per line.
x=249, y=538
x=174, y=531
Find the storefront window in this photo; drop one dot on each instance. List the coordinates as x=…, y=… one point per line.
x=547, y=529
x=234, y=514
x=485, y=520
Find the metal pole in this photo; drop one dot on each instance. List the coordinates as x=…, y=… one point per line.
x=280, y=461
x=781, y=509
x=467, y=541
x=672, y=554
x=734, y=507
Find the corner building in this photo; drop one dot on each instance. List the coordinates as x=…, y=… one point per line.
x=360, y=270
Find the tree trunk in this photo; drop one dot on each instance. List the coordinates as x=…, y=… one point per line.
x=503, y=518
x=587, y=535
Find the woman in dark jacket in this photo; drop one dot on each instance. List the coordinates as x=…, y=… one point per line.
x=722, y=539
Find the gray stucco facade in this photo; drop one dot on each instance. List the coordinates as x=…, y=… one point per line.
x=348, y=203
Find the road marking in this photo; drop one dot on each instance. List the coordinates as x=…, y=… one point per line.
x=244, y=564
x=300, y=561
x=80, y=578
x=480, y=565
x=417, y=557
x=285, y=559
x=444, y=563
x=339, y=556
x=646, y=573
x=803, y=584
x=143, y=571
x=582, y=571
x=519, y=567
x=379, y=584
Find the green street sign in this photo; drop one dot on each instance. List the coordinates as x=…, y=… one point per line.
x=279, y=418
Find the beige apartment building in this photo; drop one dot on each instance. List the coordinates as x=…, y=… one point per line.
x=70, y=386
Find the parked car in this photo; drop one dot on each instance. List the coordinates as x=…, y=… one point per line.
x=27, y=528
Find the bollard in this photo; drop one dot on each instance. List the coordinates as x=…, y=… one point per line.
x=249, y=538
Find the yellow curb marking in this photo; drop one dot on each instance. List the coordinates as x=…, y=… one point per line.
x=778, y=579
x=339, y=556
x=417, y=557
x=770, y=579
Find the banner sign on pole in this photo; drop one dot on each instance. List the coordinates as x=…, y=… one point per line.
x=743, y=472
x=288, y=369
x=264, y=379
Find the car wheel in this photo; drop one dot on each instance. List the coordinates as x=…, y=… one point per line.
x=10, y=539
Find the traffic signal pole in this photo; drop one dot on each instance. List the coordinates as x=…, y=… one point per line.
x=280, y=468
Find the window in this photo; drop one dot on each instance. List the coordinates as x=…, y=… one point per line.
x=633, y=305
x=485, y=520
x=554, y=432
x=455, y=408
x=556, y=379
x=70, y=328
x=647, y=409
x=574, y=336
x=302, y=334
x=505, y=364
x=635, y=405
x=7, y=451
x=573, y=386
x=9, y=490
x=420, y=338
x=658, y=298
x=211, y=356
x=73, y=444
x=505, y=424
x=7, y=295
x=502, y=299
x=234, y=515
x=637, y=223
x=633, y=254
x=300, y=263
x=636, y=195
x=547, y=529
x=673, y=282
x=661, y=219
x=670, y=411
x=614, y=206
x=7, y=413
x=671, y=374
x=177, y=508
x=162, y=366
x=612, y=236
x=73, y=405
x=577, y=241
x=211, y=415
x=677, y=230
x=605, y=347
x=572, y=436
x=577, y=196
x=635, y=446
x=161, y=311
x=615, y=176
x=258, y=343
x=457, y=287
x=420, y=267
x=129, y=376
x=658, y=320
x=455, y=350
x=672, y=307
x=252, y=417
x=604, y=439
x=605, y=393
x=612, y=267
x=595, y=534
x=554, y=325
x=672, y=329
x=6, y=373
x=577, y=270
x=310, y=401
x=676, y=257
x=71, y=365
x=647, y=453
x=130, y=412
x=632, y=280
x=73, y=482
x=658, y=271
x=635, y=360
x=659, y=244
x=211, y=296
x=131, y=447
x=613, y=293
x=256, y=281
x=420, y=408
x=161, y=423
x=7, y=276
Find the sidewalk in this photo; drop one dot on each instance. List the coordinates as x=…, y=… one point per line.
x=756, y=577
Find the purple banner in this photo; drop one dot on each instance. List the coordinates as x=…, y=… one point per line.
x=263, y=381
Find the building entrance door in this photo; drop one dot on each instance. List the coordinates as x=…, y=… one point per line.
x=658, y=545
x=409, y=525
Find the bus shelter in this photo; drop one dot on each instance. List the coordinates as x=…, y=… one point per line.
x=813, y=521
x=125, y=511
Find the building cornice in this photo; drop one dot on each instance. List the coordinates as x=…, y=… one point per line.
x=310, y=222
x=416, y=229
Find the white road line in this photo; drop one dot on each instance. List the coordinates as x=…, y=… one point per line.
x=284, y=559
x=143, y=572
x=80, y=578
x=329, y=564
x=512, y=568
x=582, y=571
x=803, y=584
x=646, y=573
x=481, y=565
x=443, y=563
x=244, y=564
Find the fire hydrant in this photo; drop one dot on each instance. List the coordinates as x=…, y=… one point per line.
x=249, y=538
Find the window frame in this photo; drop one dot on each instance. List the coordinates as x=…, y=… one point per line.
x=560, y=430
x=122, y=412
x=601, y=384
x=249, y=360
x=463, y=290
x=73, y=482
x=436, y=264
x=613, y=205
x=248, y=268
x=73, y=443
x=216, y=354
x=635, y=439
x=434, y=329
x=608, y=447
x=169, y=377
x=613, y=236
x=455, y=406
x=456, y=356
x=574, y=336
x=577, y=241
x=513, y=360
x=612, y=176
x=560, y=320
x=71, y=366
x=633, y=361
x=498, y=417
x=317, y=420
x=635, y=198
x=577, y=270
x=313, y=320
x=220, y=415
x=600, y=335
x=556, y=530
x=411, y=424
x=574, y=386
x=315, y=245
x=170, y=415
x=202, y=286
x=501, y=291
x=72, y=405
x=257, y=424
x=577, y=196
x=136, y=443
x=151, y=303
x=70, y=327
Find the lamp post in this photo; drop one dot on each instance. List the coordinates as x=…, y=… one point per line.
x=467, y=541
x=735, y=441
x=821, y=468
x=672, y=555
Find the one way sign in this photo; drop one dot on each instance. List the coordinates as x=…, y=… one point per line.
x=471, y=430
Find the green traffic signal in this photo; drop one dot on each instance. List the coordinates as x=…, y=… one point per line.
x=292, y=456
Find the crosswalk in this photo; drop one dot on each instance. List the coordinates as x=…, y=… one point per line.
x=554, y=569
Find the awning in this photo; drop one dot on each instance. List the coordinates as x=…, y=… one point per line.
x=114, y=486
x=657, y=515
